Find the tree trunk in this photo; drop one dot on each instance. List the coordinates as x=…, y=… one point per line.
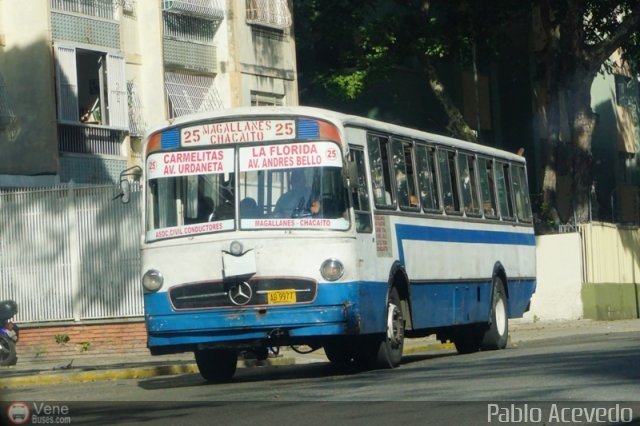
x=583, y=124
x=457, y=127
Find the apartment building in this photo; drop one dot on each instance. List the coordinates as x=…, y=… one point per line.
x=81, y=80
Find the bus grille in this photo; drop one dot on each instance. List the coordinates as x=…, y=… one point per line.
x=218, y=294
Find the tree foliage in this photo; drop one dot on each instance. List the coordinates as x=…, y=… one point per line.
x=573, y=41
x=346, y=45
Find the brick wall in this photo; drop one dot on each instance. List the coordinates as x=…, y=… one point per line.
x=48, y=342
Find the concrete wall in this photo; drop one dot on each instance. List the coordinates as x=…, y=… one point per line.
x=250, y=58
x=27, y=69
x=260, y=59
x=592, y=274
x=559, y=271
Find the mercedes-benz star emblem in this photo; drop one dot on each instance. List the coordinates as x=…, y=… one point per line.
x=240, y=294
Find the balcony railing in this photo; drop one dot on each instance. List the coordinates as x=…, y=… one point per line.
x=189, y=28
x=90, y=140
x=269, y=13
x=98, y=8
x=207, y=9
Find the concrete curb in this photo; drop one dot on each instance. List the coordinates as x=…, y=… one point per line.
x=60, y=377
x=55, y=378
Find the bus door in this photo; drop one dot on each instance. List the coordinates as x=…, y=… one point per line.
x=363, y=219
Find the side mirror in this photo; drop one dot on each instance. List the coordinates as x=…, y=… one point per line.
x=125, y=183
x=125, y=190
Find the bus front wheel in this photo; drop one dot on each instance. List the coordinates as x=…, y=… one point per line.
x=216, y=365
x=386, y=351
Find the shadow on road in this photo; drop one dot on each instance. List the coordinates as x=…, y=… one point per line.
x=274, y=373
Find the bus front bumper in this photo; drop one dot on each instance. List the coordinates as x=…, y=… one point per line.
x=170, y=331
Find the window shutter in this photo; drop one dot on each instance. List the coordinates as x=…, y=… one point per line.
x=67, y=84
x=117, y=88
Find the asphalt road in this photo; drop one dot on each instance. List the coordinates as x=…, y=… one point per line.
x=583, y=373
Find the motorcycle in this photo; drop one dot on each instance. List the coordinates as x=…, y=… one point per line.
x=9, y=333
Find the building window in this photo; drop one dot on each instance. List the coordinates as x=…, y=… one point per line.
x=266, y=99
x=190, y=93
x=91, y=87
x=269, y=13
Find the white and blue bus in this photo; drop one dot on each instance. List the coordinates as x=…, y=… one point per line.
x=274, y=226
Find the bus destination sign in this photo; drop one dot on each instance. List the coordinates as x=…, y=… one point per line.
x=237, y=132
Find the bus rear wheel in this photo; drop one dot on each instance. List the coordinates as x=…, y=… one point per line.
x=216, y=365
x=497, y=334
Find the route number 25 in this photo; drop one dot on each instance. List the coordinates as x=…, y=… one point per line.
x=284, y=129
x=191, y=136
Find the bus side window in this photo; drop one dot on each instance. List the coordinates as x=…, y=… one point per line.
x=425, y=159
x=405, y=177
x=523, y=205
x=360, y=196
x=381, y=179
x=487, y=187
x=448, y=184
x=468, y=184
x=503, y=186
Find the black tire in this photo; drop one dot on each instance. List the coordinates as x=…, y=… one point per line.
x=8, y=355
x=217, y=365
x=468, y=338
x=261, y=353
x=497, y=335
x=340, y=352
x=386, y=351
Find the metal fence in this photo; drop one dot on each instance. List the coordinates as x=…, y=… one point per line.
x=611, y=253
x=70, y=253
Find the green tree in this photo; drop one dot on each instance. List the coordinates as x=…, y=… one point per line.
x=350, y=44
x=573, y=41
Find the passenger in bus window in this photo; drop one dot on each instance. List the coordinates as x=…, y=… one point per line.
x=295, y=198
x=205, y=210
x=315, y=207
x=248, y=208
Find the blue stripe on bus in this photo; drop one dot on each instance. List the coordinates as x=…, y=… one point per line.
x=435, y=305
x=458, y=235
x=170, y=139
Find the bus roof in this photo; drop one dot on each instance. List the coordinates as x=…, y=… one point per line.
x=340, y=119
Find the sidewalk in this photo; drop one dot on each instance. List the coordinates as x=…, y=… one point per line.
x=142, y=366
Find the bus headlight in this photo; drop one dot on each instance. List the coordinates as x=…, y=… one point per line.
x=152, y=280
x=332, y=269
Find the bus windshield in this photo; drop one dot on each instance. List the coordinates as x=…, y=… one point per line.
x=292, y=186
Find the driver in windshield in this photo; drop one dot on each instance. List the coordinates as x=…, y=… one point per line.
x=297, y=198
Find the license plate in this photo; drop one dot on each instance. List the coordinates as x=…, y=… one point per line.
x=275, y=297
